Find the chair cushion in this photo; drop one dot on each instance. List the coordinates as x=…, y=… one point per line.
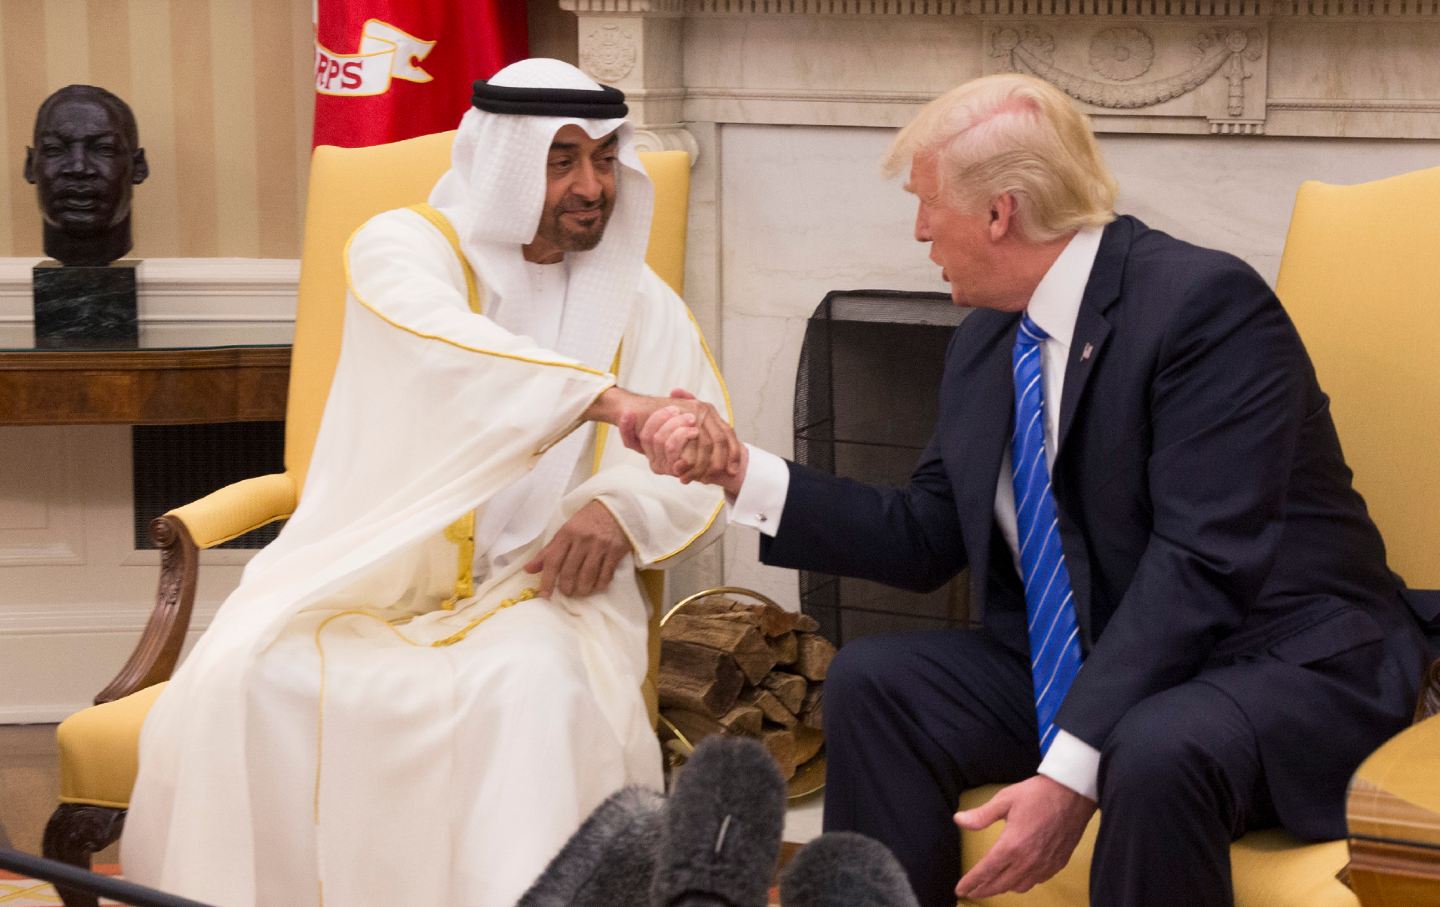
x=1270, y=868
x=100, y=750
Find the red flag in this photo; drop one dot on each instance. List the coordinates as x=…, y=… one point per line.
x=387, y=70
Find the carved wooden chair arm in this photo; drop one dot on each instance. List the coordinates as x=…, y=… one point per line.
x=1429, y=700
x=180, y=535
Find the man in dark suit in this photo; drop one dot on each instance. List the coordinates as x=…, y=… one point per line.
x=1187, y=616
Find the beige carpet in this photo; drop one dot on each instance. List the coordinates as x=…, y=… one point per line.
x=21, y=892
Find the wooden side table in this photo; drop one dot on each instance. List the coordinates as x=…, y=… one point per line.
x=160, y=386
x=1393, y=811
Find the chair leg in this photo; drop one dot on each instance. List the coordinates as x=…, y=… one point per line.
x=73, y=834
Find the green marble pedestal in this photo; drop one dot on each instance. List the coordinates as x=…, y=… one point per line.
x=88, y=307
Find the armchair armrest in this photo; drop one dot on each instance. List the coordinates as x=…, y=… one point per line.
x=237, y=509
x=1393, y=814
x=180, y=534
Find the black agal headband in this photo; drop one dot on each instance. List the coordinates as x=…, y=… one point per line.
x=606, y=104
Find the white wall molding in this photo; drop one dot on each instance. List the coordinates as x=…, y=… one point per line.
x=202, y=291
x=21, y=620
x=56, y=659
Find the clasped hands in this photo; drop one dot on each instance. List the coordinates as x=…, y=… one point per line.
x=680, y=436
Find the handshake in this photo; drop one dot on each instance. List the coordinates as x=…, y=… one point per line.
x=680, y=435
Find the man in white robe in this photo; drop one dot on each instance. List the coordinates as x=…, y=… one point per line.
x=421, y=688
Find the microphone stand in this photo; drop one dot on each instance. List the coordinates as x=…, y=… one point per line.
x=72, y=877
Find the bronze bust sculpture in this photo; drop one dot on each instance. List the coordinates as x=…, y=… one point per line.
x=85, y=162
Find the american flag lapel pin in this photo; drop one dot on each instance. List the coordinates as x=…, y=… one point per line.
x=1085, y=353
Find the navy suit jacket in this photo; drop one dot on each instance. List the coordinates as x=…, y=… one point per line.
x=1206, y=515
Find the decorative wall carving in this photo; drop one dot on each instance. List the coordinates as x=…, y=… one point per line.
x=1124, y=53
x=608, y=52
x=667, y=138
x=1174, y=69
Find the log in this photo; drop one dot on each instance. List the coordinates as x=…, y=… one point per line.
x=811, y=712
x=781, y=744
x=742, y=616
x=768, y=703
x=773, y=620
x=744, y=642
x=785, y=647
x=816, y=653
x=744, y=719
x=698, y=661
x=808, y=742
x=741, y=721
x=713, y=697
x=693, y=725
x=788, y=688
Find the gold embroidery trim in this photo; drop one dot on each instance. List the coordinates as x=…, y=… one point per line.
x=602, y=429
x=350, y=285
x=461, y=534
x=524, y=596
x=473, y=290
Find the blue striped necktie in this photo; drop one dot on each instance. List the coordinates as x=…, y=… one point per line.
x=1049, y=601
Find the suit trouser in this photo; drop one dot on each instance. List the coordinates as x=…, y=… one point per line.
x=913, y=719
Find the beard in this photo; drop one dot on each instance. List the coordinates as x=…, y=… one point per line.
x=576, y=226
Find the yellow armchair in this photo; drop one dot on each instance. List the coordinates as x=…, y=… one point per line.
x=98, y=746
x=1360, y=276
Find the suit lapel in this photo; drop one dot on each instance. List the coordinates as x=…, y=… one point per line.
x=988, y=397
x=1092, y=329
x=983, y=395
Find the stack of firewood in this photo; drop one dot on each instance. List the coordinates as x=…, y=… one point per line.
x=752, y=670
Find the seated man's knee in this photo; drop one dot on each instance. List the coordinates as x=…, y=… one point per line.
x=861, y=673
x=1155, y=751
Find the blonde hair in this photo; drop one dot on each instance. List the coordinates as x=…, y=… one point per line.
x=1017, y=134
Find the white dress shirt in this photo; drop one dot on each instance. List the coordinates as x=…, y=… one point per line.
x=1054, y=306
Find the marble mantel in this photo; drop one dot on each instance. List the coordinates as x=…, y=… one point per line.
x=1319, y=68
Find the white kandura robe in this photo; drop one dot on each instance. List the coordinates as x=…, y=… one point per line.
x=419, y=774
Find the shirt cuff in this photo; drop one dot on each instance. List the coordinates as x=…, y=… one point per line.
x=762, y=495
x=1074, y=763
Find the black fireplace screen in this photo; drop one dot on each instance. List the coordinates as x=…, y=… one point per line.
x=866, y=400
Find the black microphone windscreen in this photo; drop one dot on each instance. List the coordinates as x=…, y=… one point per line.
x=609, y=860
x=843, y=869
x=721, y=836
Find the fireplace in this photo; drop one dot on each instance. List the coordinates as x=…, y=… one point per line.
x=866, y=401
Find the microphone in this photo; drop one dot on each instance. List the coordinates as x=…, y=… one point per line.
x=843, y=869
x=721, y=835
x=609, y=860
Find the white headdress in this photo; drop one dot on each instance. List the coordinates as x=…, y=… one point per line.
x=494, y=194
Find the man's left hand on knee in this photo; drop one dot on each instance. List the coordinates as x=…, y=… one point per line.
x=1044, y=820
x=583, y=555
